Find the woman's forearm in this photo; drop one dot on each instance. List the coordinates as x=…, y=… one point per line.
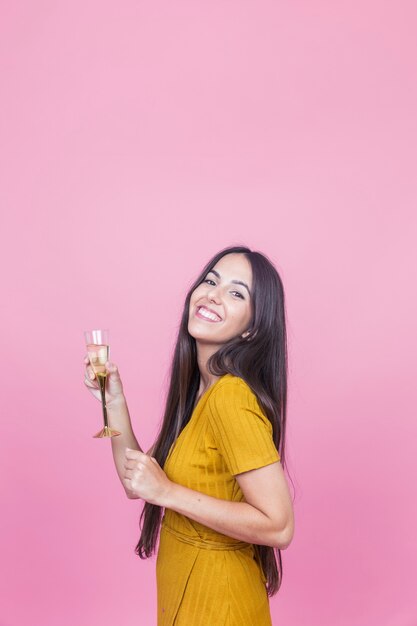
x=119, y=419
x=239, y=520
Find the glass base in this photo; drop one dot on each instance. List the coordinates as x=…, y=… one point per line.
x=107, y=432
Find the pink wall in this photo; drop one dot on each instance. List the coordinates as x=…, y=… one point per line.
x=138, y=138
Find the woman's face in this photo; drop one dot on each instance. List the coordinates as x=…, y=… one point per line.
x=221, y=294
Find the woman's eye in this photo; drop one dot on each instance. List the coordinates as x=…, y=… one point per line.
x=208, y=280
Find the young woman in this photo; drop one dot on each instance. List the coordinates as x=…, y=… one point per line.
x=213, y=482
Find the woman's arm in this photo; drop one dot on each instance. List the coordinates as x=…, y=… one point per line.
x=266, y=518
x=119, y=419
x=117, y=414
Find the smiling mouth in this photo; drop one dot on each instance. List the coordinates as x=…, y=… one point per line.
x=204, y=314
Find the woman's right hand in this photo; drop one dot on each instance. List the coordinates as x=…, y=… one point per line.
x=114, y=387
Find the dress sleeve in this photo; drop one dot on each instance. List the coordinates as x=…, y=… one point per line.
x=242, y=431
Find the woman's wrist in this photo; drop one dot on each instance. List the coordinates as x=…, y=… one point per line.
x=117, y=410
x=117, y=401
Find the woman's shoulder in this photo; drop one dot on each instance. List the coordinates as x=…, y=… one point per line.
x=229, y=382
x=233, y=399
x=231, y=389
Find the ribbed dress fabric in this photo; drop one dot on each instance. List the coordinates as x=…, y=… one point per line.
x=205, y=578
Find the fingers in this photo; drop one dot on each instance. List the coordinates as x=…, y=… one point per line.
x=89, y=378
x=90, y=384
x=112, y=369
x=89, y=374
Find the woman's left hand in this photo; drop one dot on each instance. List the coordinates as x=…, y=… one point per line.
x=145, y=478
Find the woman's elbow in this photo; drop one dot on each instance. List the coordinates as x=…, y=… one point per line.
x=283, y=541
x=131, y=495
x=285, y=536
x=282, y=537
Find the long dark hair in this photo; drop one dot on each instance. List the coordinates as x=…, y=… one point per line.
x=260, y=359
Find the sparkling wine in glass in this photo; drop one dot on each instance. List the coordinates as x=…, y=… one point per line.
x=98, y=352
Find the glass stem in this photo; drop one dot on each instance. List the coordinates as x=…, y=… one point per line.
x=102, y=383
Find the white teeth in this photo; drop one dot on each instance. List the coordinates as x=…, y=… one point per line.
x=206, y=313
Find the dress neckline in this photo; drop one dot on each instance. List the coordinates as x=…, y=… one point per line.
x=193, y=413
x=203, y=395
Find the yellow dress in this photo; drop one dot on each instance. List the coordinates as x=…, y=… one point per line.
x=205, y=578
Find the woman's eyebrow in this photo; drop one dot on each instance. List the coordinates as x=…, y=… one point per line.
x=236, y=282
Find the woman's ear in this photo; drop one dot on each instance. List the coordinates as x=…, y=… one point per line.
x=245, y=334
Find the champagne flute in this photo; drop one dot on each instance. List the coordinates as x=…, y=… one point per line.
x=98, y=350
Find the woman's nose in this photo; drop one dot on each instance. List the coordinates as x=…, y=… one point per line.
x=214, y=293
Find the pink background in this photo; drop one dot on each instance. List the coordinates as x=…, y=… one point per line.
x=137, y=139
